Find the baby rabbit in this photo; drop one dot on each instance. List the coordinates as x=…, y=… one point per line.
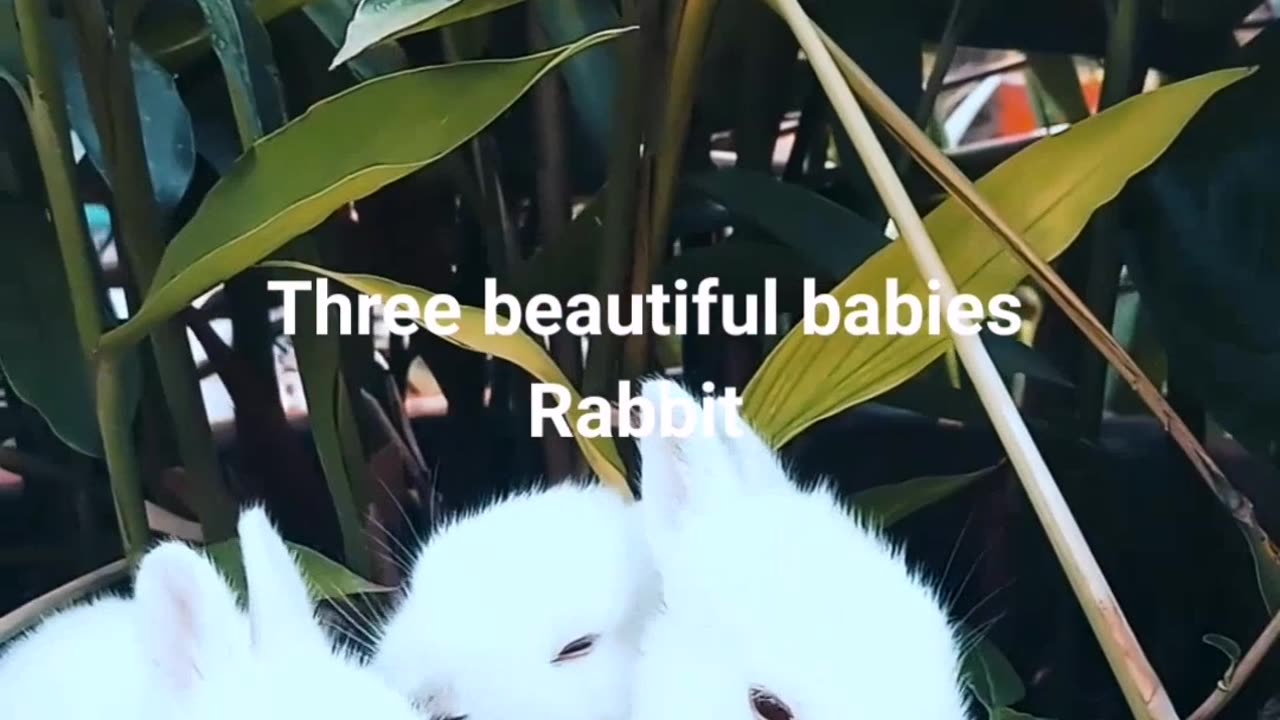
x=182, y=649
x=778, y=603
x=289, y=666
x=528, y=609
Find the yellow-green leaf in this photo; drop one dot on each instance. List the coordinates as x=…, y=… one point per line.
x=328, y=578
x=342, y=149
x=1047, y=193
x=378, y=21
x=519, y=348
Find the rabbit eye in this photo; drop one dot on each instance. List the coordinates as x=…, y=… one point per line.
x=576, y=649
x=767, y=706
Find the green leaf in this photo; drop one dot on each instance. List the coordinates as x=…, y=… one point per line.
x=175, y=33
x=11, y=59
x=991, y=677
x=408, y=120
x=830, y=236
x=329, y=579
x=1229, y=647
x=520, y=349
x=324, y=387
x=167, y=134
x=890, y=503
x=377, y=21
x=1011, y=356
x=331, y=17
x=1266, y=568
x=244, y=50
x=1046, y=192
x=1201, y=248
x=741, y=267
x=591, y=77
x=40, y=352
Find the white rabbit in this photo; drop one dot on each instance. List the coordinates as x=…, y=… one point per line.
x=290, y=667
x=778, y=602
x=127, y=657
x=182, y=649
x=528, y=609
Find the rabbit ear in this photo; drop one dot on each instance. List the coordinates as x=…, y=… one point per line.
x=190, y=619
x=760, y=467
x=681, y=474
x=281, y=614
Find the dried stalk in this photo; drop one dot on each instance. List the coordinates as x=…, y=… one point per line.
x=1142, y=689
x=1229, y=686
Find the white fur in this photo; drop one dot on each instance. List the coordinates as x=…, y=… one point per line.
x=495, y=595
x=82, y=663
x=770, y=586
x=182, y=649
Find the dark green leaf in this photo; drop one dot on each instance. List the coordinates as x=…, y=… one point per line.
x=1266, y=569
x=741, y=267
x=244, y=50
x=329, y=579
x=888, y=504
x=1200, y=230
x=831, y=237
x=323, y=385
x=993, y=680
x=40, y=352
x=593, y=76
x=175, y=33
x=1011, y=356
x=167, y=134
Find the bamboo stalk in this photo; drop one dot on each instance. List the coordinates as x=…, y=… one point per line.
x=691, y=33
x=13, y=623
x=1142, y=689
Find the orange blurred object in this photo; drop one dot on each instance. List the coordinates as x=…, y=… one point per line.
x=1012, y=105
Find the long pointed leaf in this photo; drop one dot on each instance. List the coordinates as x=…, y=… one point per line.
x=519, y=349
x=377, y=21
x=291, y=180
x=1047, y=192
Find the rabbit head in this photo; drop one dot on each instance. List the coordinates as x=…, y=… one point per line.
x=211, y=662
x=779, y=603
x=526, y=609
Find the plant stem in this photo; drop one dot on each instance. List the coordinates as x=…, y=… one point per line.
x=115, y=420
x=962, y=12
x=141, y=241
x=620, y=201
x=1123, y=78
x=51, y=132
x=554, y=211
x=691, y=32
x=1227, y=688
x=1142, y=689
